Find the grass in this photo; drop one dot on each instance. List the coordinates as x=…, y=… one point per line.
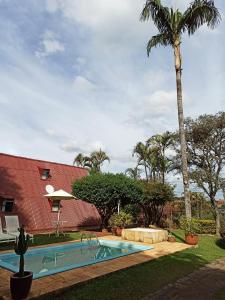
x=44, y=239
x=137, y=282
x=220, y=295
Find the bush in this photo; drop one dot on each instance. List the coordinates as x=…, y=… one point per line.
x=134, y=210
x=199, y=226
x=156, y=194
x=106, y=190
x=120, y=220
x=189, y=226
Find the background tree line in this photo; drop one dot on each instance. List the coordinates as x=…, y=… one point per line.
x=161, y=154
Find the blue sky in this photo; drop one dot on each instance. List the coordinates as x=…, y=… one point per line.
x=75, y=77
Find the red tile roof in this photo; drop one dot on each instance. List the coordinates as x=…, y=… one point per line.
x=20, y=179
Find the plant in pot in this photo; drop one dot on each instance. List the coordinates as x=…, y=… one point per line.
x=120, y=221
x=171, y=237
x=190, y=229
x=20, y=283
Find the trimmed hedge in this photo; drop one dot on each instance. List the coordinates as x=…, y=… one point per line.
x=203, y=226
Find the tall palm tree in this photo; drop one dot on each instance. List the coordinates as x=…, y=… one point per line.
x=141, y=151
x=81, y=161
x=163, y=142
x=97, y=158
x=171, y=24
x=134, y=173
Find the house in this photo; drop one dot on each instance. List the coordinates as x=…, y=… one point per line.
x=25, y=181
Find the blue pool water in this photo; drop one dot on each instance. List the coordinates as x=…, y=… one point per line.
x=50, y=260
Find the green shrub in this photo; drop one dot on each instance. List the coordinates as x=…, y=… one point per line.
x=189, y=226
x=199, y=226
x=206, y=226
x=134, y=210
x=106, y=190
x=120, y=220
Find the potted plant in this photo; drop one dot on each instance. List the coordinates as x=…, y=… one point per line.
x=20, y=283
x=120, y=221
x=171, y=237
x=191, y=229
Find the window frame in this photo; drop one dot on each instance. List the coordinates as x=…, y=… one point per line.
x=55, y=208
x=4, y=204
x=45, y=173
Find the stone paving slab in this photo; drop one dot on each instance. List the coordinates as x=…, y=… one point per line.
x=198, y=285
x=55, y=284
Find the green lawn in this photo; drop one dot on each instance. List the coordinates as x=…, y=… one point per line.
x=42, y=239
x=136, y=282
x=220, y=295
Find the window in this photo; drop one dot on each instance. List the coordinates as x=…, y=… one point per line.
x=7, y=205
x=56, y=205
x=45, y=174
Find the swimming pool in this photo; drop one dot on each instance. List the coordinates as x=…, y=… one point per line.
x=50, y=260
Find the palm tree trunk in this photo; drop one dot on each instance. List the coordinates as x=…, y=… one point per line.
x=181, y=130
x=146, y=173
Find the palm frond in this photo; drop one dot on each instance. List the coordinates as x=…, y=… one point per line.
x=161, y=39
x=200, y=12
x=160, y=15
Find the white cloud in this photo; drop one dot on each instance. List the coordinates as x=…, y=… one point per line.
x=81, y=84
x=82, y=146
x=49, y=45
x=102, y=90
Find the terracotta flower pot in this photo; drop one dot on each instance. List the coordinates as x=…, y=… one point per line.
x=191, y=239
x=113, y=230
x=105, y=231
x=171, y=239
x=119, y=231
x=20, y=286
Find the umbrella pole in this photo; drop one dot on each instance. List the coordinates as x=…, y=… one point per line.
x=57, y=226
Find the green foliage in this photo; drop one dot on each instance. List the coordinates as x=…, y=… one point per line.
x=189, y=225
x=106, y=190
x=199, y=226
x=92, y=162
x=134, y=210
x=205, y=226
x=171, y=23
x=20, y=247
x=156, y=194
x=120, y=220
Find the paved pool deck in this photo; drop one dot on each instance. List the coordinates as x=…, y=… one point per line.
x=57, y=283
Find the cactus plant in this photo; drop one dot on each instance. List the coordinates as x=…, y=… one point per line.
x=21, y=246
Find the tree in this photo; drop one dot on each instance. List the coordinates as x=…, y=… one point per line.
x=150, y=158
x=156, y=194
x=200, y=204
x=162, y=142
x=134, y=173
x=94, y=162
x=81, y=161
x=206, y=155
x=171, y=24
x=106, y=190
x=141, y=151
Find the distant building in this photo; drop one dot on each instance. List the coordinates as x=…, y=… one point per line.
x=25, y=181
x=220, y=203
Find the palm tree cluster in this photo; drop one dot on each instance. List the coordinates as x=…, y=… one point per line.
x=172, y=24
x=94, y=162
x=152, y=157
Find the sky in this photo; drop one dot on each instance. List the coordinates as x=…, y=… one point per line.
x=75, y=77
